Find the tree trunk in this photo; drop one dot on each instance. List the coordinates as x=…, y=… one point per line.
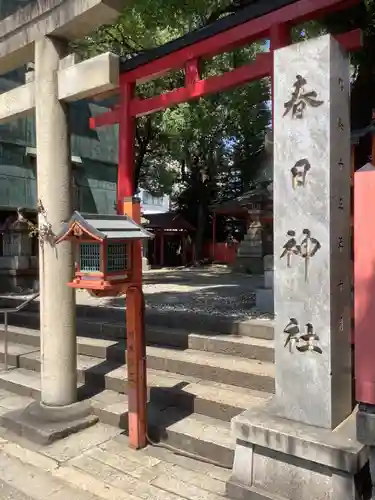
x=200, y=230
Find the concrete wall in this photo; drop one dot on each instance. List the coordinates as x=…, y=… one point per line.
x=152, y=204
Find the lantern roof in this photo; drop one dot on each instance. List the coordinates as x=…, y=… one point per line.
x=102, y=227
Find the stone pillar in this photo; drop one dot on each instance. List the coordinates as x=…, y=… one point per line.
x=312, y=234
x=57, y=321
x=301, y=444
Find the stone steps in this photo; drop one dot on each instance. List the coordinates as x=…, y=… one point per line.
x=95, y=342
x=213, y=399
x=191, y=378
x=165, y=365
x=191, y=432
x=102, y=315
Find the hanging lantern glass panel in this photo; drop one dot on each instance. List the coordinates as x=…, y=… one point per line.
x=117, y=257
x=89, y=259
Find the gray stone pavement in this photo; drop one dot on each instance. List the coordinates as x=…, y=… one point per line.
x=9, y=493
x=98, y=464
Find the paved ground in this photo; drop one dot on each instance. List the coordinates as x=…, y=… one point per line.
x=98, y=464
x=9, y=493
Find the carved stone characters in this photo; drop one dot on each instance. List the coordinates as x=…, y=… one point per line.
x=302, y=341
x=301, y=99
x=306, y=249
x=299, y=173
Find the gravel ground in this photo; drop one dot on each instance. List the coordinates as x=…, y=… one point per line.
x=210, y=290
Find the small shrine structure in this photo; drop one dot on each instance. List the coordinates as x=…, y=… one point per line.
x=173, y=244
x=251, y=214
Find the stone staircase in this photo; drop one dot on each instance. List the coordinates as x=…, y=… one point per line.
x=197, y=381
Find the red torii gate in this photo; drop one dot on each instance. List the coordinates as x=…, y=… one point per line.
x=271, y=20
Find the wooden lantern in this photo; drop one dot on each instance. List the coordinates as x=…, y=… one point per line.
x=104, y=249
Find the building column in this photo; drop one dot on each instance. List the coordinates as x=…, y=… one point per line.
x=57, y=314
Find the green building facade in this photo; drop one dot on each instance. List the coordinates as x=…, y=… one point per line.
x=94, y=160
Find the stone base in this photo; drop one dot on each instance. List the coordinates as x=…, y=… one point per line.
x=249, y=264
x=15, y=282
x=264, y=300
x=145, y=264
x=268, y=279
x=366, y=427
x=43, y=424
x=278, y=459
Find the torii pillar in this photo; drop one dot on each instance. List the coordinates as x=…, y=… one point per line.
x=40, y=32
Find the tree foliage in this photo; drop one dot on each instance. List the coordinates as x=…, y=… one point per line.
x=197, y=128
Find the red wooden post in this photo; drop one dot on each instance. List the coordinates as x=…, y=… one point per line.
x=135, y=341
x=192, y=74
x=136, y=347
x=125, y=175
x=136, y=363
x=364, y=286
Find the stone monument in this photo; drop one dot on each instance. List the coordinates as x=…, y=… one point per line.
x=301, y=444
x=250, y=252
x=18, y=265
x=40, y=33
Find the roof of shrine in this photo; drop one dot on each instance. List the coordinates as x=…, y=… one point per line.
x=256, y=9
x=103, y=227
x=261, y=194
x=168, y=221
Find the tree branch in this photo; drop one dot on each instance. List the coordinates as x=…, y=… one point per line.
x=232, y=8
